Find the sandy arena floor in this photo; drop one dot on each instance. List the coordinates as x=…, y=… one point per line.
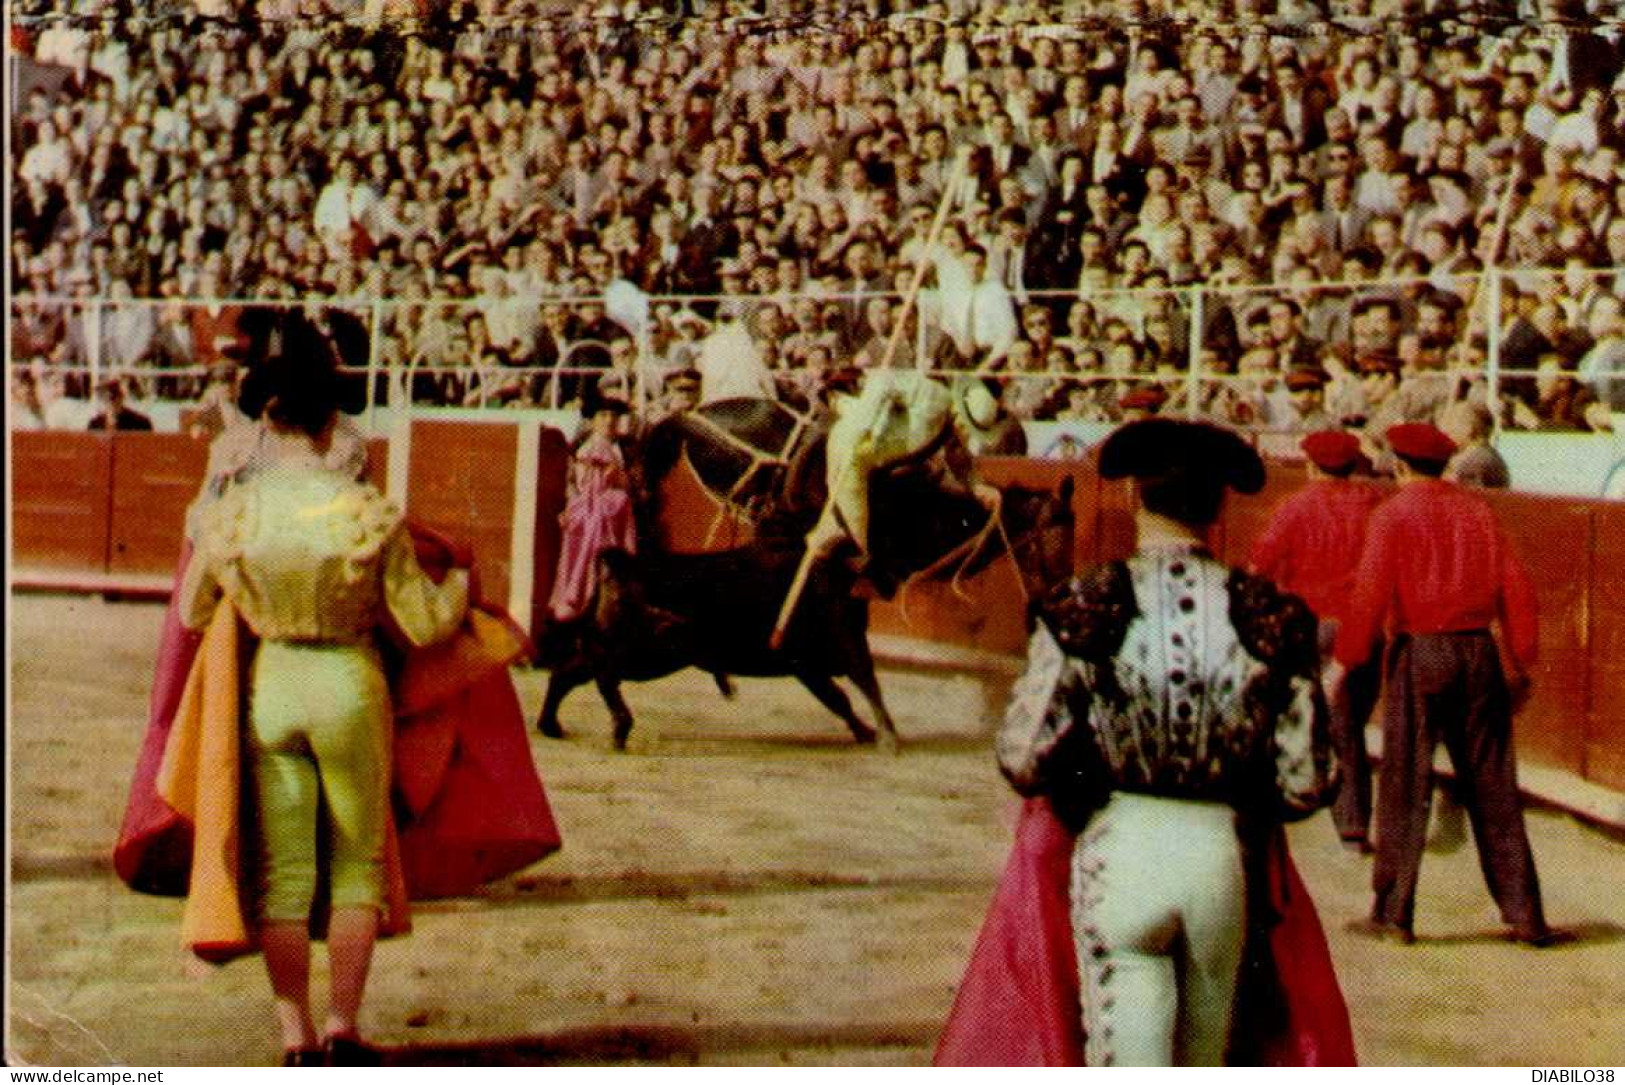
x=743, y=887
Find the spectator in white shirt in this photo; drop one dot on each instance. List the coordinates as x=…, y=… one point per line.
x=1374, y=191
x=990, y=319
x=128, y=330
x=50, y=160
x=64, y=42
x=342, y=209
x=1579, y=130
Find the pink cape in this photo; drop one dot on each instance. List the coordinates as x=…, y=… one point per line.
x=1018, y=1004
x=470, y=805
x=597, y=517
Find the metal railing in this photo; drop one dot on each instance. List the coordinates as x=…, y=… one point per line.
x=414, y=353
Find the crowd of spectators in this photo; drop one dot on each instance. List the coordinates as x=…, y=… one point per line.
x=515, y=192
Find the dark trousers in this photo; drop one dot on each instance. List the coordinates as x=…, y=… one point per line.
x=1449, y=687
x=1350, y=710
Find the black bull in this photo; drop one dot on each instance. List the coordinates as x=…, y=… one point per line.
x=657, y=613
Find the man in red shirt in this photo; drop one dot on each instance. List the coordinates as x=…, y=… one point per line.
x=1438, y=570
x=1310, y=548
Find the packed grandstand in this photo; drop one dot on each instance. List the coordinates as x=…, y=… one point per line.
x=1274, y=214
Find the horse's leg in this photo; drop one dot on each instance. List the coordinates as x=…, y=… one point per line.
x=835, y=699
x=725, y=684
x=861, y=669
x=609, y=688
x=560, y=683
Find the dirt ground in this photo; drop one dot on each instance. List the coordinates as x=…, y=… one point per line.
x=744, y=886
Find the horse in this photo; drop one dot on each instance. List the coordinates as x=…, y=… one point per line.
x=656, y=613
x=764, y=460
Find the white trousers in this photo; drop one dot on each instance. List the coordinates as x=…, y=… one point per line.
x=1159, y=906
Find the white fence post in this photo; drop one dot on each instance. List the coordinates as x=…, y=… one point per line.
x=921, y=362
x=375, y=313
x=1193, y=373
x=93, y=342
x=1492, y=347
x=642, y=392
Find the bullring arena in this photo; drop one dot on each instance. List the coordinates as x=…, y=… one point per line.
x=487, y=220
x=744, y=885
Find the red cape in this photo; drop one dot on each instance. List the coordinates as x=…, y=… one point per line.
x=1018, y=1004
x=469, y=804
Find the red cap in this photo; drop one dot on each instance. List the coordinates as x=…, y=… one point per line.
x=1332, y=449
x=1421, y=441
x=1144, y=399
x=1378, y=362
x=1306, y=378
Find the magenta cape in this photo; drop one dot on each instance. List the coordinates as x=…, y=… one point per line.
x=1018, y=1003
x=597, y=517
x=470, y=806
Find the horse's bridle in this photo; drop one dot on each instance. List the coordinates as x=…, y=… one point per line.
x=966, y=551
x=1019, y=548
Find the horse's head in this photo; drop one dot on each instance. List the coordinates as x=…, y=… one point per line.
x=1039, y=524
x=921, y=528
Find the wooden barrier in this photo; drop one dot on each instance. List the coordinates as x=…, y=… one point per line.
x=552, y=477
x=461, y=481
x=61, y=504
x=1604, y=760
x=1245, y=517
x=155, y=476
x=1552, y=536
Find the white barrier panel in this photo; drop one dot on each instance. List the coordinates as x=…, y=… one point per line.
x=1573, y=464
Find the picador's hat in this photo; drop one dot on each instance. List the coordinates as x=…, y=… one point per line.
x=1306, y=377
x=682, y=380
x=595, y=399
x=1378, y=362
x=1150, y=398
x=1157, y=449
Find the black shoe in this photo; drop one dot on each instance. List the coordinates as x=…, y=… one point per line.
x=304, y=1056
x=1358, y=844
x=350, y=1051
x=1381, y=930
x=1542, y=937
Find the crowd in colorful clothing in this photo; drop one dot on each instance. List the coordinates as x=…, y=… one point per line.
x=495, y=175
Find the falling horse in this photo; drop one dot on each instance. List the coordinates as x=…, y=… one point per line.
x=761, y=459
x=757, y=457
x=656, y=613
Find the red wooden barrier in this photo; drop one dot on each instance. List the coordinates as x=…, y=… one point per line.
x=461, y=482
x=1114, y=520
x=552, y=477
x=155, y=478
x=1605, y=711
x=1553, y=538
x=61, y=495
